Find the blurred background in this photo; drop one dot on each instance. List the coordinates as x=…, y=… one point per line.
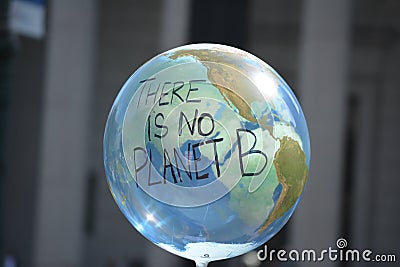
x=63, y=62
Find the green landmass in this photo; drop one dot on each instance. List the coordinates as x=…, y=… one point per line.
x=292, y=171
x=222, y=71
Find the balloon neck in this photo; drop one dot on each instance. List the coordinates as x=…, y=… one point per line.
x=201, y=263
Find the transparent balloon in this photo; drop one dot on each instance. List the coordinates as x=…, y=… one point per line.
x=206, y=151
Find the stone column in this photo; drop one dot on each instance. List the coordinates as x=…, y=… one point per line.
x=175, y=19
x=63, y=157
x=323, y=71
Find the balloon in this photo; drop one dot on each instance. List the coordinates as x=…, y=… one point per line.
x=206, y=151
